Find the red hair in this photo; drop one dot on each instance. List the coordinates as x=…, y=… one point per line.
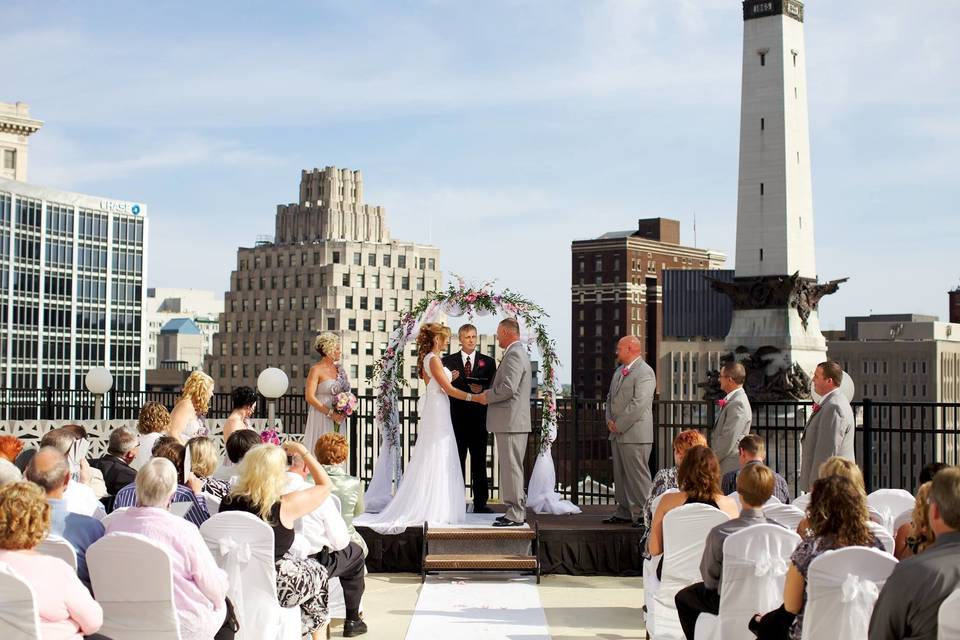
x=10, y=447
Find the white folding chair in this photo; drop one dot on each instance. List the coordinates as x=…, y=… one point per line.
x=651, y=584
x=842, y=588
x=180, y=509
x=785, y=514
x=883, y=535
x=802, y=502
x=684, y=535
x=19, y=616
x=904, y=518
x=948, y=619
x=59, y=548
x=755, y=562
x=889, y=503
x=132, y=578
x=213, y=503
x=242, y=545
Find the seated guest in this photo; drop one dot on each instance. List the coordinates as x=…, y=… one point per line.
x=9, y=473
x=911, y=598
x=259, y=490
x=331, y=450
x=929, y=470
x=699, y=481
x=244, y=401
x=204, y=462
x=199, y=585
x=755, y=484
x=845, y=468
x=838, y=518
x=666, y=479
x=152, y=423
x=237, y=446
x=326, y=538
x=80, y=466
x=67, y=610
x=122, y=449
x=187, y=488
x=10, y=447
x=915, y=536
x=753, y=451
x=50, y=470
x=79, y=497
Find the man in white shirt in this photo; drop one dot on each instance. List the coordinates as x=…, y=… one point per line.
x=324, y=535
x=78, y=497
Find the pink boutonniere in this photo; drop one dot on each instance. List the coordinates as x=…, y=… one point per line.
x=722, y=402
x=816, y=407
x=625, y=371
x=481, y=364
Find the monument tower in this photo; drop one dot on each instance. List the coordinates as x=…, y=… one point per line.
x=775, y=329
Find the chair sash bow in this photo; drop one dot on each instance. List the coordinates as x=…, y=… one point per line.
x=856, y=588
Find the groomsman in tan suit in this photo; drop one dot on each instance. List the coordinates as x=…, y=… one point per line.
x=630, y=423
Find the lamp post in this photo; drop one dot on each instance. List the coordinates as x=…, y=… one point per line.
x=98, y=381
x=272, y=383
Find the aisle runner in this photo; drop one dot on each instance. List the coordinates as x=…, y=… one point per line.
x=482, y=606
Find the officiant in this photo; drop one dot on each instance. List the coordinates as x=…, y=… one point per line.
x=469, y=419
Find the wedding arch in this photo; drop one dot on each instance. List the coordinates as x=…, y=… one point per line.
x=388, y=380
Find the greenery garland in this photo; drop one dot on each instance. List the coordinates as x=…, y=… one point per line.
x=458, y=300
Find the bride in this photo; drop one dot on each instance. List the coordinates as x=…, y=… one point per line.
x=432, y=486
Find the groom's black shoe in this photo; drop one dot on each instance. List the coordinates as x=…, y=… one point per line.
x=507, y=522
x=482, y=509
x=353, y=628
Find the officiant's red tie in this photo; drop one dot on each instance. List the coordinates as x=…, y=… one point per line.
x=467, y=369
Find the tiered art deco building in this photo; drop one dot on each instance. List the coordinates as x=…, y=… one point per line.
x=331, y=266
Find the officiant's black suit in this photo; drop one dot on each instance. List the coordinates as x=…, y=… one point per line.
x=470, y=421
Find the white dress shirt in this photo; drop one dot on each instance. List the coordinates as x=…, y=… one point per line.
x=323, y=527
x=471, y=358
x=81, y=499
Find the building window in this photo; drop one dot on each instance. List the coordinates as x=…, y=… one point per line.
x=761, y=255
x=763, y=59
x=923, y=367
x=336, y=257
x=352, y=324
x=381, y=325
x=431, y=264
x=331, y=324
x=366, y=325
x=762, y=124
x=761, y=188
x=386, y=260
x=372, y=259
x=349, y=302
x=402, y=261
x=10, y=159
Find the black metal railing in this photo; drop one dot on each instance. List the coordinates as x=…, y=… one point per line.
x=893, y=440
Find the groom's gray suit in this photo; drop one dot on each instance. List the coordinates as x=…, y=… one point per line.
x=508, y=419
x=630, y=406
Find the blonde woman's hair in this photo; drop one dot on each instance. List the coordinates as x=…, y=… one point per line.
x=326, y=343
x=429, y=332
x=922, y=531
x=198, y=388
x=845, y=468
x=204, y=459
x=24, y=516
x=263, y=474
x=154, y=418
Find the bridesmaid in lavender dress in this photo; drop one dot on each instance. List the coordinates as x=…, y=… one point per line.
x=325, y=380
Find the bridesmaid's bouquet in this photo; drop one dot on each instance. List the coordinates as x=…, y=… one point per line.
x=345, y=404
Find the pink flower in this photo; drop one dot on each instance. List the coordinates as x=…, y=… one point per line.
x=471, y=297
x=625, y=371
x=269, y=436
x=480, y=364
x=816, y=407
x=721, y=403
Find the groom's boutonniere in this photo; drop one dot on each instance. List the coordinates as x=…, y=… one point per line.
x=625, y=371
x=816, y=407
x=722, y=402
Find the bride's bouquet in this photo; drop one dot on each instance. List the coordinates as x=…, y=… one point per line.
x=344, y=403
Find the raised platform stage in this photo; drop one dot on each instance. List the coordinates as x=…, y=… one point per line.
x=573, y=545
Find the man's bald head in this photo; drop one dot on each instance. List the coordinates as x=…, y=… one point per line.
x=629, y=348
x=49, y=469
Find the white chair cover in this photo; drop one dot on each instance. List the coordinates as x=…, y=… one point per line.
x=132, y=578
x=242, y=545
x=651, y=584
x=180, y=509
x=904, y=518
x=785, y=514
x=213, y=503
x=110, y=516
x=684, y=535
x=890, y=503
x=19, y=617
x=883, y=535
x=59, y=548
x=842, y=587
x=802, y=502
x=948, y=620
x=755, y=562
x=736, y=498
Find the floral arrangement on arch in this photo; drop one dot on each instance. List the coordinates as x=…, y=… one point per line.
x=457, y=300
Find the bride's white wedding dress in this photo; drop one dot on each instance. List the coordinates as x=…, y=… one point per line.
x=431, y=489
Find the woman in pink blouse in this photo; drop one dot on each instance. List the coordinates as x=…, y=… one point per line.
x=67, y=610
x=199, y=585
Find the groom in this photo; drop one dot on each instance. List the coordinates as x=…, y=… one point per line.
x=508, y=419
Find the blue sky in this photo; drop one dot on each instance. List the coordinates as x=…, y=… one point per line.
x=509, y=128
